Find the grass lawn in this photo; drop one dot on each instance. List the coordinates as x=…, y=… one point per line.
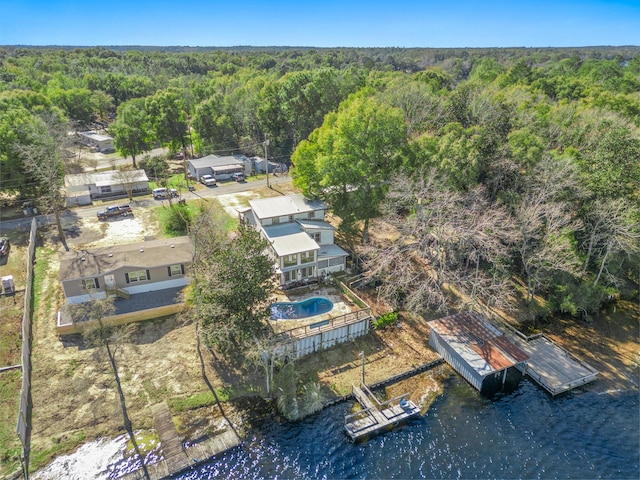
x=11, y=311
x=172, y=226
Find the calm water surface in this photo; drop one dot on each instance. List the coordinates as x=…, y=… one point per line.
x=524, y=434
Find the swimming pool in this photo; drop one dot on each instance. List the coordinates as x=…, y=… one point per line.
x=303, y=309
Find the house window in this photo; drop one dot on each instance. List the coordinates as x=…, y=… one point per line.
x=105, y=189
x=290, y=218
x=138, y=276
x=90, y=284
x=306, y=257
x=176, y=270
x=306, y=272
x=312, y=214
x=289, y=260
x=323, y=263
x=275, y=220
x=315, y=236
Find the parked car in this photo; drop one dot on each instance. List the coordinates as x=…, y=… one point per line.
x=118, y=210
x=162, y=193
x=238, y=177
x=208, y=180
x=4, y=246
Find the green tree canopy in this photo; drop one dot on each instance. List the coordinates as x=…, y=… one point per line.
x=234, y=284
x=347, y=161
x=131, y=131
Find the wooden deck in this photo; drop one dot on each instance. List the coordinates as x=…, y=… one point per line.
x=375, y=416
x=176, y=457
x=212, y=447
x=551, y=366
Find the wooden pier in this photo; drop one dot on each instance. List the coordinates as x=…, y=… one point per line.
x=551, y=366
x=375, y=416
x=178, y=458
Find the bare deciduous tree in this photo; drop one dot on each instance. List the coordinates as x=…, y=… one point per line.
x=546, y=223
x=128, y=178
x=43, y=157
x=450, y=244
x=610, y=228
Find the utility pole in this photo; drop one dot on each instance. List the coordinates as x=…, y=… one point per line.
x=266, y=158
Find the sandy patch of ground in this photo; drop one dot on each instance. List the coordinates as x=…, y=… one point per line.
x=234, y=201
x=90, y=232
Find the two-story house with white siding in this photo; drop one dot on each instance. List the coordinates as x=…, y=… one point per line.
x=301, y=241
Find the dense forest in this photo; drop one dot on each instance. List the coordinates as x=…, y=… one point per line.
x=512, y=174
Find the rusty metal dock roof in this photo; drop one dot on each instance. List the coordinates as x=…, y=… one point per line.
x=481, y=345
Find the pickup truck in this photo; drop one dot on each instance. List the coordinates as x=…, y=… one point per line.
x=118, y=210
x=208, y=180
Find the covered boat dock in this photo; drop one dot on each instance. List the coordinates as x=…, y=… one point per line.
x=477, y=350
x=488, y=356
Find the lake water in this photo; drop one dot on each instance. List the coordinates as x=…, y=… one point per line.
x=523, y=434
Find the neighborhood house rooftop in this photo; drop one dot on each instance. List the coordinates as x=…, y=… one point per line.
x=96, y=136
x=216, y=161
x=284, y=205
x=99, y=261
x=101, y=179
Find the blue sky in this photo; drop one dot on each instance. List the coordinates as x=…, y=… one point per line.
x=331, y=23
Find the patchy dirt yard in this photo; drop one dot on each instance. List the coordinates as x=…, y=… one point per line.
x=90, y=232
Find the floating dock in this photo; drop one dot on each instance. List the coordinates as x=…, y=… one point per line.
x=376, y=417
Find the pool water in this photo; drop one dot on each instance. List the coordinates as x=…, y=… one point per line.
x=303, y=309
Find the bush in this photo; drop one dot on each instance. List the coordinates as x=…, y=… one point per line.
x=385, y=319
x=176, y=220
x=579, y=299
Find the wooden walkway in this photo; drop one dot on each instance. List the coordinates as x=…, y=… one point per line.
x=375, y=416
x=551, y=366
x=176, y=457
x=174, y=454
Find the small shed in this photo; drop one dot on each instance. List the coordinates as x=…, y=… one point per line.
x=477, y=350
x=260, y=166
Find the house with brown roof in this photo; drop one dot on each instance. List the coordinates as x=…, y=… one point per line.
x=123, y=271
